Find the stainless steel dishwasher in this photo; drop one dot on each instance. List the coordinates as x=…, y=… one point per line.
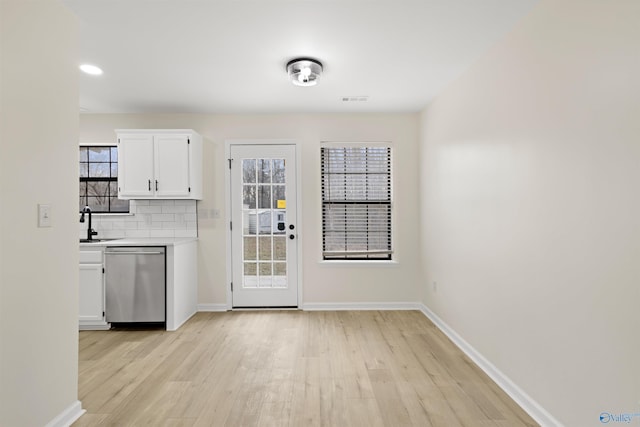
x=135, y=284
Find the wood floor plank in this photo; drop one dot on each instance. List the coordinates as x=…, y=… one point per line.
x=288, y=368
x=393, y=411
x=363, y=412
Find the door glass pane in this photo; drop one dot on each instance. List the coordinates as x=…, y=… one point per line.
x=279, y=274
x=279, y=222
x=264, y=224
x=278, y=170
x=249, y=170
x=250, y=279
x=249, y=223
x=264, y=244
x=249, y=248
x=280, y=248
x=265, y=280
x=264, y=171
x=279, y=201
x=264, y=196
x=249, y=196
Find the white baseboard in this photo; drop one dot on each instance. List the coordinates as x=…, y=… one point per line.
x=212, y=307
x=68, y=416
x=332, y=306
x=533, y=408
x=100, y=327
x=321, y=306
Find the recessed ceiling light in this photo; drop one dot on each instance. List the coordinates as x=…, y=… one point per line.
x=91, y=69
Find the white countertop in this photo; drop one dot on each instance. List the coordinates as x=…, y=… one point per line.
x=143, y=241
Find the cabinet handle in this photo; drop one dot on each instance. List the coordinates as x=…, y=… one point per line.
x=156, y=185
x=149, y=185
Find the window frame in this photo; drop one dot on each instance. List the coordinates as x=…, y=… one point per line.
x=100, y=179
x=375, y=257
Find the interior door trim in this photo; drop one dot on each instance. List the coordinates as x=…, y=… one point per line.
x=227, y=211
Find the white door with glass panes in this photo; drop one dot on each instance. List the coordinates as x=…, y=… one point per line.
x=264, y=228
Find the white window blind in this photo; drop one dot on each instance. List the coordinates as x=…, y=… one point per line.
x=356, y=203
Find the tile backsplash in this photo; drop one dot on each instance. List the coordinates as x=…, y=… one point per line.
x=147, y=218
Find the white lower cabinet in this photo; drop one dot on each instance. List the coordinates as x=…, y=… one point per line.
x=181, y=283
x=91, y=292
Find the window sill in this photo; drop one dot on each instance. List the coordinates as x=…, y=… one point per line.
x=359, y=263
x=109, y=214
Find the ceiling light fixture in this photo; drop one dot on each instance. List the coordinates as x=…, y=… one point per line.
x=304, y=71
x=91, y=69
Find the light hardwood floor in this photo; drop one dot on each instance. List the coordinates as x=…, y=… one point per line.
x=288, y=368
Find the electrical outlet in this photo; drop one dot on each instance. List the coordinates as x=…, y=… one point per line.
x=44, y=215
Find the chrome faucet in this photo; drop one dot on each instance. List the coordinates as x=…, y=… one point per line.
x=90, y=231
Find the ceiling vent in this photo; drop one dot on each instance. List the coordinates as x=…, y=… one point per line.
x=355, y=98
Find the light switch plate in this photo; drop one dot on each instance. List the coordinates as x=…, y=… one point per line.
x=44, y=215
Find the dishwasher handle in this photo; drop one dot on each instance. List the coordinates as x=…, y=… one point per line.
x=134, y=253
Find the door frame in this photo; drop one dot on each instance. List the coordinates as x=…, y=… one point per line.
x=227, y=211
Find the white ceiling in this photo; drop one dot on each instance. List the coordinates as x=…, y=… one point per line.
x=229, y=56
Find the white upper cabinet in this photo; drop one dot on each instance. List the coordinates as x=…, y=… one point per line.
x=159, y=164
x=135, y=166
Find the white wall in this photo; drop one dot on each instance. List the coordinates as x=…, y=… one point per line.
x=530, y=173
x=38, y=164
x=322, y=283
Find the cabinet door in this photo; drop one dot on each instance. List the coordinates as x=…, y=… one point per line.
x=91, y=293
x=135, y=166
x=171, y=166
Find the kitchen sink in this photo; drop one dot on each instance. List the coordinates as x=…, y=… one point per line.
x=95, y=240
